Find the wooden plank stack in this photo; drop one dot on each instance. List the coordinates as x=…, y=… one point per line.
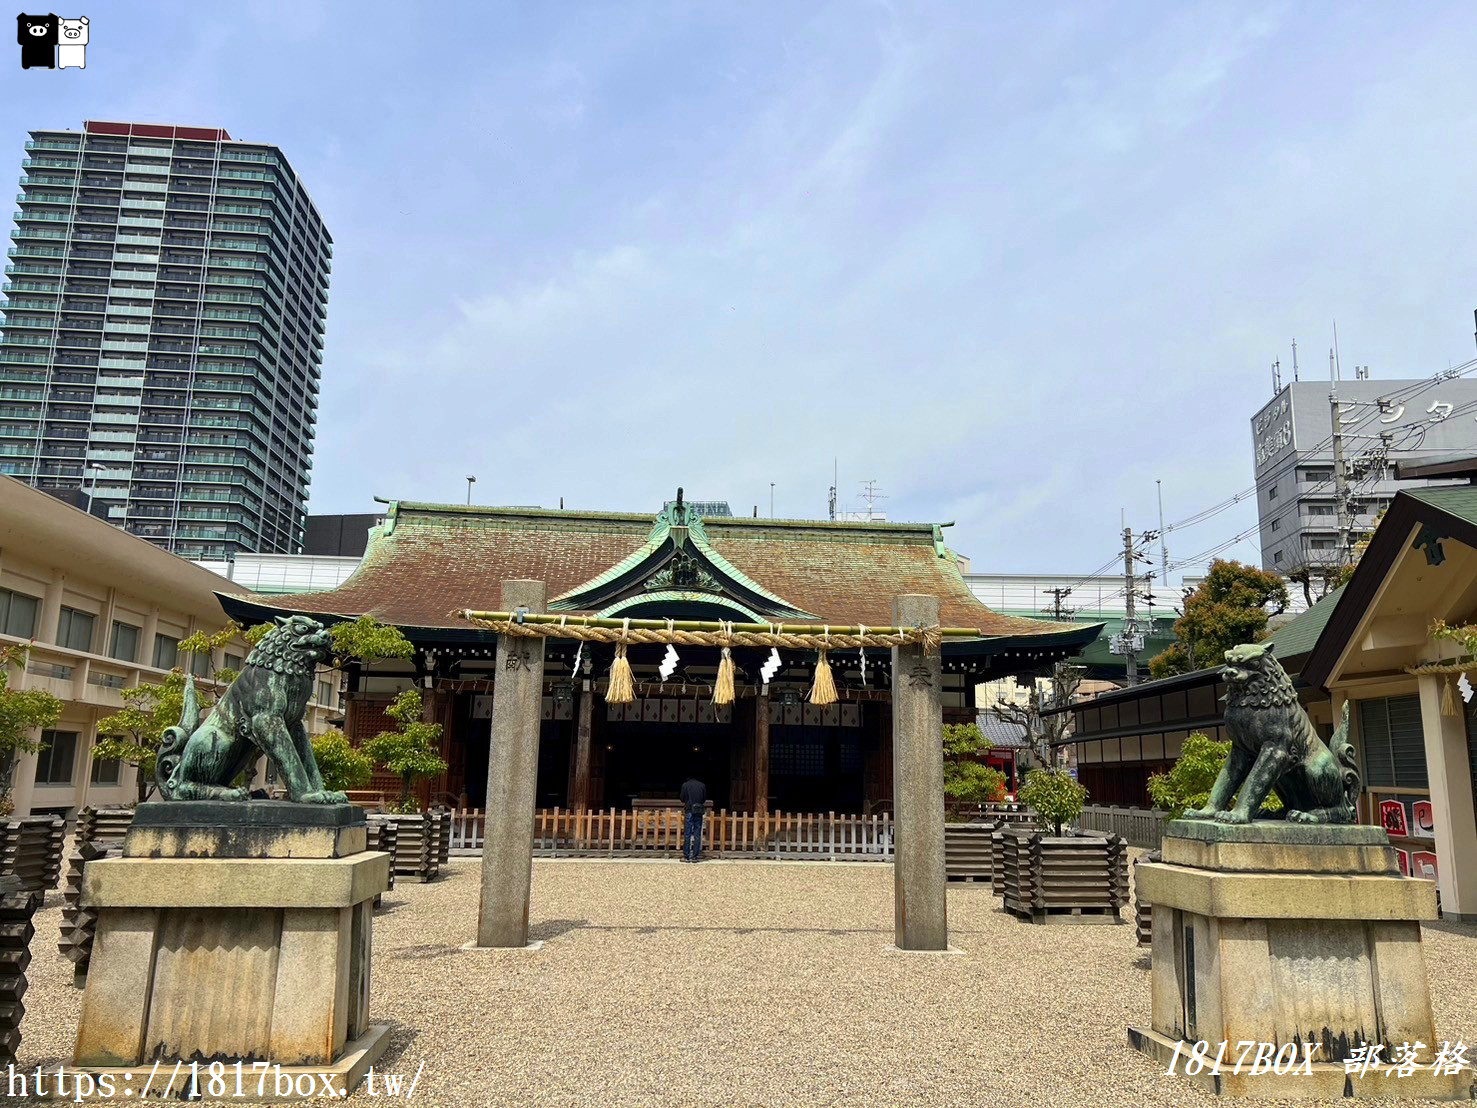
x=969, y=851
x=1076, y=878
x=17, y=907
x=79, y=924
x=1143, y=911
x=382, y=835
x=31, y=850
x=103, y=824
x=99, y=834
x=441, y=842
x=417, y=853
x=997, y=859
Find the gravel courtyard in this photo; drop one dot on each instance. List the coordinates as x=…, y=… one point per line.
x=750, y=983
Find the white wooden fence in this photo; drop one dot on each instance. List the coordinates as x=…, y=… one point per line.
x=658, y=831
x=1138, y=826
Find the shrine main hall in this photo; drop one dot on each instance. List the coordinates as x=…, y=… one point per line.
x=769, y=749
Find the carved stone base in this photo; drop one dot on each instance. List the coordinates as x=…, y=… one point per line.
x=227, y=958
x=245, y=829
x=1276, y=933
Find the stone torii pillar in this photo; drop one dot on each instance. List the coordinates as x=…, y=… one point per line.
x=918, y=783
x=512, y=777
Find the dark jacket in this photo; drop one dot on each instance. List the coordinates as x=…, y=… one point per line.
x=694, y=795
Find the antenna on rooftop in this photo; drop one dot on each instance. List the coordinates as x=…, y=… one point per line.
x=1276, y=376
x=831, y=499
x=871, y=495
x=1294, y=359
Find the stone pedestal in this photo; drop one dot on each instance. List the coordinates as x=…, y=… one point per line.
x=234, y=932
x=1290, y=934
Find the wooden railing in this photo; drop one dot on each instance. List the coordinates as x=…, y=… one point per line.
x=1137, y=826
x=658, y=831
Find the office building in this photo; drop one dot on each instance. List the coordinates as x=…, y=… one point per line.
x=163, y=334
x=1381, y=423
x=101, y=612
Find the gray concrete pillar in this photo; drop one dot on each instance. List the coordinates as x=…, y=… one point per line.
x=512, y=777
x=918, y=784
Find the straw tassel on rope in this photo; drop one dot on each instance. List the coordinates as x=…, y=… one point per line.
x=1448, y=697
x=622, y=689
x=823, y=689
x=723, y=685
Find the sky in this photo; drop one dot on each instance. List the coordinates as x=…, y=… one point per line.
x=1014, y=263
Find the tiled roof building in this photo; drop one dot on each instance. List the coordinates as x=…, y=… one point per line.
x=427, y=562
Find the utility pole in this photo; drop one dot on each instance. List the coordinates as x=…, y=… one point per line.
x=1163, y=541
x=1129, y=628
x=1058, y=611
x=1340, y=480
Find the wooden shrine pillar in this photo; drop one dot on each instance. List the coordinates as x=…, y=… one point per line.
x=761, y=751
x=512, y=777
x=579, y=792
x=920, y=904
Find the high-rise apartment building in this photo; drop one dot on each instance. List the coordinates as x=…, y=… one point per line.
x=1379, y=423
x=162, y=340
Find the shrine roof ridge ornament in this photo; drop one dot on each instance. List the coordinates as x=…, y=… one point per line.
x=676, y=557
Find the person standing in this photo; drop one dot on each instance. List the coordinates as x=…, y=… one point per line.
x=694, y=797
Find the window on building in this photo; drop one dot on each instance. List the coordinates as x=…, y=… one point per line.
x=200, y=663
x=106, y=771
x=1320, y=509
x=1272, y=492
x=58, y=752
x=235, y=662
x=1277, y=557
x=1276, y=525
x=1394, y=747
x=18, y=614
x=1316, y=476
x=74, y=629
x=325, y=693
x=124, y=643
x=166, y=651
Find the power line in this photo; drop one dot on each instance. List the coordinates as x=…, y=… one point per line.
x=1405, y=392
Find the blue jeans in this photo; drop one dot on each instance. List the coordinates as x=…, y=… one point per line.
x=692, y=836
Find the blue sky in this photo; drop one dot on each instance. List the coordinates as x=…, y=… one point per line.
x=1012, y=264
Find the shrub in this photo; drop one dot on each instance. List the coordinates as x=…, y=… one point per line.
x=1054, y=796
x=966, y=779
x=410, y=751
x=342, y=765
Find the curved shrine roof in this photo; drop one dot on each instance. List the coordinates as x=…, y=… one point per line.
x=429, y=560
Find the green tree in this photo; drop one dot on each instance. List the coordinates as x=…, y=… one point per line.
x=410, y=751
x=343, y=765
x=132, y=734
x=967, y=779
x=22, y=712
x=1231, y=607
x=1054, y=796
x=1187, y=784
x=204, y=644
x=366, y=639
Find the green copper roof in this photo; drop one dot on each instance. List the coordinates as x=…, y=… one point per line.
x=1298, y=636
x=1457, y=500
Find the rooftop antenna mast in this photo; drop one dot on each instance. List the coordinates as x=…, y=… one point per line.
x=871, y=495
x=1294, y=359
x=831, y=499
x=1276, y=376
